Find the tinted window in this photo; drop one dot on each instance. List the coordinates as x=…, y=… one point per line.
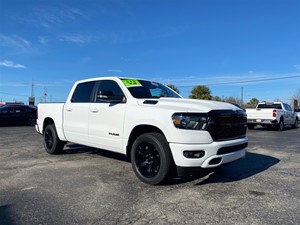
x=148, y=89
x=269, y=106
x=83, y=92
x=288, y=107
x=109, y=86
x=20, y=110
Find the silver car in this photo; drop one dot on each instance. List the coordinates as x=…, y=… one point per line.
x=297, y=111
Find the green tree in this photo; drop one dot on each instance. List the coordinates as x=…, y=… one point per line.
x=252, y=103
x=173, y=88
x=201, y=92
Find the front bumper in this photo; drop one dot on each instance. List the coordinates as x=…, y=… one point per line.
x=37, y=128
x=215, y=153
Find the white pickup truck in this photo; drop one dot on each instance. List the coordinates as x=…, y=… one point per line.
x=272, y=114
x=152, y=125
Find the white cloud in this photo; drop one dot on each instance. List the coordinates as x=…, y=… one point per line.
x=297, y=66
x=51, y=17
x=43, y=40
x=115, y=71
x=76, y=38
x=86, y=59
x=11, y=64
x=15, y=42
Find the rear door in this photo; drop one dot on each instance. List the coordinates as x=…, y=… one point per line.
x=76, y=113
x=21, y=115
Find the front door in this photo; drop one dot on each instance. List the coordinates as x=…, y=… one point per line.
x=106, y=120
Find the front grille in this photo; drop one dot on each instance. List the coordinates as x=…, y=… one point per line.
x=227, y=125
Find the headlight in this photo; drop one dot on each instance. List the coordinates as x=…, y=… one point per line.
x=191, y=121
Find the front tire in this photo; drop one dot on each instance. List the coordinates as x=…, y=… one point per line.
x=31, y=122
x=250, y=126
x=151, y=158
x=52, y=143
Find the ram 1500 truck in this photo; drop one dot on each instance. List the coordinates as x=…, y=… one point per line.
x=272, y=114
x=152, y=125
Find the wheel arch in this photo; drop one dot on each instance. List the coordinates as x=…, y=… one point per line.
x=47, y=121
x=137, y=131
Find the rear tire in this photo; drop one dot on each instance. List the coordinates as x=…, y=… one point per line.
x=31, y=122
x=52, y=143
x=295, y=125
x=151, y=158
x=280, y=126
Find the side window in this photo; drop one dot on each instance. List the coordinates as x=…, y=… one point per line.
x=83, y=92
x=110, y=87
x=20, y=110
x=287, y=107
x=4, y=111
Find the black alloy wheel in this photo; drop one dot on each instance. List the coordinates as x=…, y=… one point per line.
x=151, y=158
x=52, y=143
x=147, y=160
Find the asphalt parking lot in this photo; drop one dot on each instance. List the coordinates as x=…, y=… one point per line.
x=90, y=186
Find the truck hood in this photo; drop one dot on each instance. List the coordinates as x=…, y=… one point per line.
x=187, y=105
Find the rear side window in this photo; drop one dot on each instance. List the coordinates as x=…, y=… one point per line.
x=83, y=92
x=20, y=110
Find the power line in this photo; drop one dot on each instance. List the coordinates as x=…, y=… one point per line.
x=13, y=94
x=245, y=81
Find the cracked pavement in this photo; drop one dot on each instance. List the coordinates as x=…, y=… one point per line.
x=90, y=186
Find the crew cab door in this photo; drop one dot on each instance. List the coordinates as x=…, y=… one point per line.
x=289, y=115
x=106, y=120
x=76, y=113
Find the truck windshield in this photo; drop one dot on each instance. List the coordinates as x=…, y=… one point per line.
x=269, y=106
x=148, y=89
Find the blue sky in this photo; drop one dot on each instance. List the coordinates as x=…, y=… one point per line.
x=186, y=43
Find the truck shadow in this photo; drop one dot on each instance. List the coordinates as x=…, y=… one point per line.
x=77, y=149
x=260, y=128
x=249, y=166
x=6, y=217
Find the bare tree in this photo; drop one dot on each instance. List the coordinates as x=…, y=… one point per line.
x=297, y=95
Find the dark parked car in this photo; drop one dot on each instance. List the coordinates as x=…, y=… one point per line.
x=18, y=115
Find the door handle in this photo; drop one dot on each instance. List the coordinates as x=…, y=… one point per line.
x=69, y=109
x=94, y=110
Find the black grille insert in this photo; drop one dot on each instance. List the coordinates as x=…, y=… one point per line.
x=227, y=124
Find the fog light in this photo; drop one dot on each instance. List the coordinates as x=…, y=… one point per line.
x=193, y=154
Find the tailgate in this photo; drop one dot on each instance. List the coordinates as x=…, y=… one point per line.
x=262, y=114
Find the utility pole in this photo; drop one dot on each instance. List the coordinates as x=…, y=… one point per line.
x=32, y=98
x=242, y=96
x=45, y=95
